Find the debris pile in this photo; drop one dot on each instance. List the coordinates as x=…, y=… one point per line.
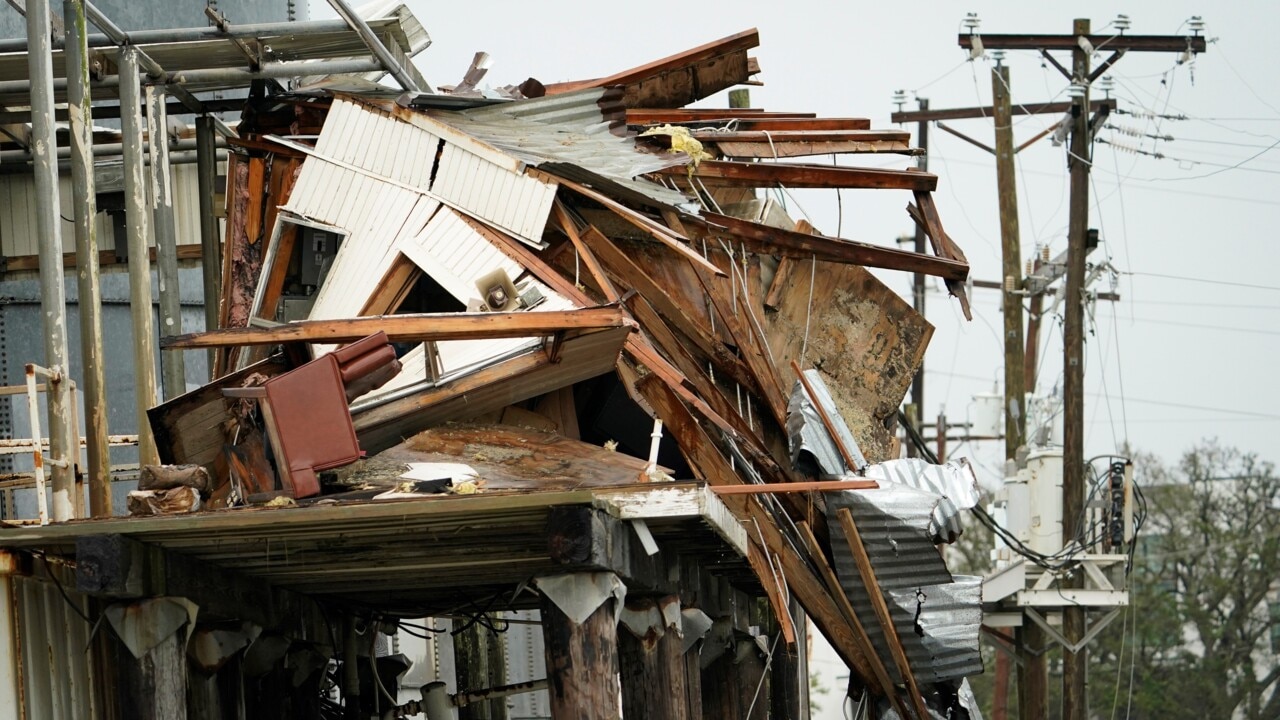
x=424, y=298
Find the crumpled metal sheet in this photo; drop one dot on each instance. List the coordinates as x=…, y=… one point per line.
x=954, y=479
x=813, y=450
x=897, y=527
x=935, y=615
x=144, y=624
x=939, y=627
x=577, y=595
x=961, y=705
x=953, y=484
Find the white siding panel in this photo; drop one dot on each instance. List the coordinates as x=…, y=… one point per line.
x=512, y=201
x=455, y=255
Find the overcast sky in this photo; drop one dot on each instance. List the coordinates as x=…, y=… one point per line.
x=1190, y=358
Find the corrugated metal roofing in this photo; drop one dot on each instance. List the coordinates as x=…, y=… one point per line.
x=586, y=129
x=939, y=627
x=894, y=522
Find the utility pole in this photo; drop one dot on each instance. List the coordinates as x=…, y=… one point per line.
x=1075, y=701
x=1075, y=696
x=1011, y=252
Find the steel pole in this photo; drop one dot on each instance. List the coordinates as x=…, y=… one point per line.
x=210, y=247
x=53, y=299
x=374, y=43
x=172, y=366
x=138, y=224
x=80, y=117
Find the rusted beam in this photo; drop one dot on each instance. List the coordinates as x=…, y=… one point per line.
x=426, y=327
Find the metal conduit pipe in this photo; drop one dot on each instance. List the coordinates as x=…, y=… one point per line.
x=388, y=61
x=193, y=34
x=105, y=150
x=80, y=115
x=53, y=299
x=293, y=68
x=186, y=157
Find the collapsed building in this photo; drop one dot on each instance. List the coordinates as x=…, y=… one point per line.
x=539, y=356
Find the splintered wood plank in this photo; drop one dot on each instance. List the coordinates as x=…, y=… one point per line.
x=749, y=174
x=806, y=148
x=878, y=604
x=808, y=135
x=655, y=230
x=866, y=341
x=763, y=239
x=671, y=299
x=593, y=265
x=925, y=213
x=682, y=78
x=764, y=534
x=257, y=194
x=417, y=328
x=658, y=116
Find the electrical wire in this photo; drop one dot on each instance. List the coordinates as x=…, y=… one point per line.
x=1207, y=281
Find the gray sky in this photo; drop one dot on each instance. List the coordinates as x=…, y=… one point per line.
x=1189, y=358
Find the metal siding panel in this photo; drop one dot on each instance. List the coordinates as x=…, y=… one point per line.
x=8, y=229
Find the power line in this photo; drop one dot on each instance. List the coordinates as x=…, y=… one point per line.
x=1157, y=403
x=1198, y=326
x=1206, y=281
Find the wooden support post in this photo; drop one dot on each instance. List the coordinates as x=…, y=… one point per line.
x=730, y=685
x=789, y=673
x=154, y=685
x=1033, y=673
x=654, y=682
x=582, y=663
x=480, y=665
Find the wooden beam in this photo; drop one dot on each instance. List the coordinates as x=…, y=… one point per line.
x=782, y=136
x=739, y=42
x=426, y=327
x=658, y=232
x=1147, y=43
x=660, y=116
x=736, y=150
x=878, y=604
x=20, y=263
x=755, y=175
x=593, y=265
x=766, y=240
x=710, y=466
x=925, y=213
x=967, y=113
x=790, y=487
